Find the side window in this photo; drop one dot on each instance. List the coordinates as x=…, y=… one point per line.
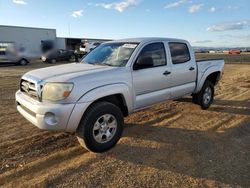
x=152, y=55
x=179, y=52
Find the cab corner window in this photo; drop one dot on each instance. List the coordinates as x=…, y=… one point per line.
x=179, y=52
x=152, y=55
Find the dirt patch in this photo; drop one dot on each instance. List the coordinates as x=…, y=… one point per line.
x=171, y=144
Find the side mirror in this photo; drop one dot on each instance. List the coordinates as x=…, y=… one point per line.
x=143, y=62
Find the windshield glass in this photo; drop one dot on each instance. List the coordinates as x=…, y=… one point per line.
x=112, y=54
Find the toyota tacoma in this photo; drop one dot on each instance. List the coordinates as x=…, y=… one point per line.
x=117, y=78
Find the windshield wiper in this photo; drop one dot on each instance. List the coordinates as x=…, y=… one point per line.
x=90, y=63
x=101, y=64
x=107, y=64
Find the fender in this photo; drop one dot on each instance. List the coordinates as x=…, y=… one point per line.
x=107, y=90
x=96, y=93
x=204, y=76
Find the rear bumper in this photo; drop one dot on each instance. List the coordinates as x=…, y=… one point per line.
x=52, y=117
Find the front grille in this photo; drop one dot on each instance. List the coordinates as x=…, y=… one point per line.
x=29, y=88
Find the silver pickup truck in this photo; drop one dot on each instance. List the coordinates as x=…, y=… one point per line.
x=114, y=80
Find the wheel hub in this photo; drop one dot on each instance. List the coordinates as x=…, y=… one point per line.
x=207, y=95
x=104, y=128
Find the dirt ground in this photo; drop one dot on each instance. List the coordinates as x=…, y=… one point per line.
x=173, y=144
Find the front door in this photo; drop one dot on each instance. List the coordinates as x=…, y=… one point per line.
x=151, y=75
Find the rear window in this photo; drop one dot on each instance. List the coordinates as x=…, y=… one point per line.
x=179, y=52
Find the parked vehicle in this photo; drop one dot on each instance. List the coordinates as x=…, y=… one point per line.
x=201, y=51
x=86, y=47
x=59, y=55
x=11, y=54
x=234, y=52
x=92, y=46
x=112, y=81
x=246, y=50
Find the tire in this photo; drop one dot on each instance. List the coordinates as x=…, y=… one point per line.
x=23, y=62
x=52, y=61
x=72, y=58
x=195, y=99
x=101, y=127
x=206, y=96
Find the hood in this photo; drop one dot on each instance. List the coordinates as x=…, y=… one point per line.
x=66, y=72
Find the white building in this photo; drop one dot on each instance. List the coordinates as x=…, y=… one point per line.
x=26, y=38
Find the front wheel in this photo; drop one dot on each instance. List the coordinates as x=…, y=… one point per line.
x=206, y=96
x=101, y=127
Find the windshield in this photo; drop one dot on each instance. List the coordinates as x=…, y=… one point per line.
x=112, y=54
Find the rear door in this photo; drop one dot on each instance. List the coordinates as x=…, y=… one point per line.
x=151, y=83
x=184, y=69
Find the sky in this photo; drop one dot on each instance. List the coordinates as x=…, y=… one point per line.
x=213, y=23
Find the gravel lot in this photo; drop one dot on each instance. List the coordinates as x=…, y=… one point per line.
x=171, y=144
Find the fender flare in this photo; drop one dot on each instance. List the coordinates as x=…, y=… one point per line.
x=203, y=78
x=94, y=94
x=107, y=90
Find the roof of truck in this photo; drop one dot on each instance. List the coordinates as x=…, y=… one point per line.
x=149, y=39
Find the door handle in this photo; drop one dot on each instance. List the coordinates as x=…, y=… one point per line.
x=166, y=73
x=191, y=68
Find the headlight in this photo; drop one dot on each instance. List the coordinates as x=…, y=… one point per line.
x=56, y=91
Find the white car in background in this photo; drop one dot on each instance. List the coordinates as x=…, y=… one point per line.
x=88, y=46
x=11, y=54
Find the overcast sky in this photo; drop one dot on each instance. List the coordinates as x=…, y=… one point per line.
x=216, y=23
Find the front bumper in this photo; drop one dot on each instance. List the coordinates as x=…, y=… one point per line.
x=50, y=116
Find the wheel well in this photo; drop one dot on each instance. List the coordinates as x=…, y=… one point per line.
x=116, y=99
x=214, y=77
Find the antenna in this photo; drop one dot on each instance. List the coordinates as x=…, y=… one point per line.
x=69, y=28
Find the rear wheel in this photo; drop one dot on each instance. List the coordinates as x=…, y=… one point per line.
x=206, y=96
x=101, y=127
x=23, y=62
x=72, y=58
x=52, y=61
